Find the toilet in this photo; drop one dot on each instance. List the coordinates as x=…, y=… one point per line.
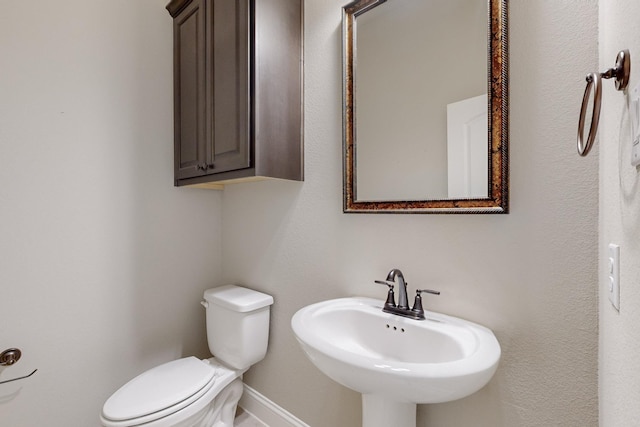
x=190, y=392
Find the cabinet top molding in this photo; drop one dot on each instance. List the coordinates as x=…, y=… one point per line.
x=175, y=6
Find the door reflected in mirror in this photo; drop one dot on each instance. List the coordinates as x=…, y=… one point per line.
x=425, y=125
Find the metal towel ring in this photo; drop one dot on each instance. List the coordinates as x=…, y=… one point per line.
x=593, y=80
x=621, y=72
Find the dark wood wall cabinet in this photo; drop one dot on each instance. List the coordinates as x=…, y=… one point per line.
x=237, y=91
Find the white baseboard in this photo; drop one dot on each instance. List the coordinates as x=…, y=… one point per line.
x=267, y=411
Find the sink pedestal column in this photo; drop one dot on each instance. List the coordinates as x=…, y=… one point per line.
x=378, y=411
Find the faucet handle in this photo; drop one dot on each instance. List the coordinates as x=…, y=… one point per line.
x=384, y=282
x=429, y=291
x=391, y=299
x=417, y=304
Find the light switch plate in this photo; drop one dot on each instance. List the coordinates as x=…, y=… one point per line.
x=614, y=275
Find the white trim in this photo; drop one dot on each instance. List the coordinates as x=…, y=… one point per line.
x=267, y=411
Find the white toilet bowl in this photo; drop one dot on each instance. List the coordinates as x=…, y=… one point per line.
x=186, y=392
x=190, y=392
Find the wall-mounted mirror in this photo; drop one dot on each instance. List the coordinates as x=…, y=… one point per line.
x=425, y=106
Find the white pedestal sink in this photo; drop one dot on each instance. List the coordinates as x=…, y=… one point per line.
x=393, y=361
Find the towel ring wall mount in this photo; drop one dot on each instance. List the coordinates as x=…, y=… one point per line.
x=621, y=73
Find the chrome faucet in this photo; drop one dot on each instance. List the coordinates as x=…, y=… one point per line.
x=402, y=308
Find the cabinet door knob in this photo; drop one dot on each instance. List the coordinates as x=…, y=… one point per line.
x=202, y=167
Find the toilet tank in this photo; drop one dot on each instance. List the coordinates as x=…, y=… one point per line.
x=237, y=325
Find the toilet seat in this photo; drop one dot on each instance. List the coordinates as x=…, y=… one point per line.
x=167, y=393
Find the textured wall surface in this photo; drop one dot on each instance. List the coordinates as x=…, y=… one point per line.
x=531, y=276
x=619, y=223
x=104, y=274
x=100, y=274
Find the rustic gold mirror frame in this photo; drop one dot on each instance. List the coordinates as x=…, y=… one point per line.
x=498, y=128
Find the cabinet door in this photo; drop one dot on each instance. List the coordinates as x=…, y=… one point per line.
x=189, y=38
x=229, y=68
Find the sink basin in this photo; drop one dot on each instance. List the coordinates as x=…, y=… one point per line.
x=352, y=341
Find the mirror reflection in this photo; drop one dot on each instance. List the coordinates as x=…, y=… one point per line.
x=421, y=103
x=425, y=106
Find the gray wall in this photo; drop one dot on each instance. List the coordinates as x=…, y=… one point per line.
x=97, y=261
x=100, y=274
x=619, y=223
x=531, y=276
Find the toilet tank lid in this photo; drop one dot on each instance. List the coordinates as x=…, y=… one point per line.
x=237, y=298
